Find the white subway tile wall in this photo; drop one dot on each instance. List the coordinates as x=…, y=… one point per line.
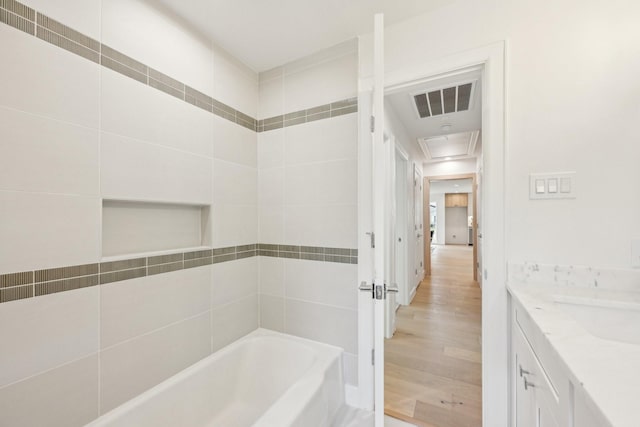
x=307, y=196
x=146, y=32
x=126, y=103
x=129, y=368
x=64, y=396
x=26, y=80
x=141, y=112
x=62, y=327
x=132, y=308
x=234, y=320
x=45, y=230
x=44, y=155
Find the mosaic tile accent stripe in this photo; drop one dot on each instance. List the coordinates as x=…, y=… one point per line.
x=124, y=59
x=311, y=253
x=326, y=111
x=27, y=284
x=17, y=22
x=124, y=264
x=19, y=9
x=118, y=276
x=19, y=292
x=61, y=42
x=65, y=285
x=165, y=259
x=164, y=268
x=67, y=32
x=65, y=272
x=23, y=18
x=16, y=279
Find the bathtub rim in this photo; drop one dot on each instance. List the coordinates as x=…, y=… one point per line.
x=331, y=352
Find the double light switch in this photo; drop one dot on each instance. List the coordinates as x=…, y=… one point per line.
x=558, y=185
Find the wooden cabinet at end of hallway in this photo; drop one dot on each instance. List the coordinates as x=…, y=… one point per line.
x=456, y=200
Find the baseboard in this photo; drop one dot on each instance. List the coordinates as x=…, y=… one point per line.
x=412, y=294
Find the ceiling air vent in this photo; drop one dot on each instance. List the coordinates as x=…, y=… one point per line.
x=444, y=101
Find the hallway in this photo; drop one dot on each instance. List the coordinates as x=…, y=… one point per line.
x=433, y=362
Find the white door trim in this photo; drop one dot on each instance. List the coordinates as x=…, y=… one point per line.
x=494, y=296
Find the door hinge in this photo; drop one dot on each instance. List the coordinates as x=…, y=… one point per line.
x=373, y=356
x=372, y=236
x=372, y=124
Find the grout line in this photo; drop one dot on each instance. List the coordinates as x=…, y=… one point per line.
x=323, y=304
x=50, y=369
x=158, y=329
x=156, y=144
x=100, y=289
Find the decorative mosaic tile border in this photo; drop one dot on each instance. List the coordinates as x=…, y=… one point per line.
x=32, y=22
x=27, y=284
x=312, y=253
x=325, y=111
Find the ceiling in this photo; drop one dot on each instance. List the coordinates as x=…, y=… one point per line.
x=264, y=34
x=450, y=186
x=458, y=126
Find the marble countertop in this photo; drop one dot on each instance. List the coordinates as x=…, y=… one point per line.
x=608, y=370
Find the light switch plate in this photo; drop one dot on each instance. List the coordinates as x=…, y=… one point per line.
x=557, y=185
x=635, y=253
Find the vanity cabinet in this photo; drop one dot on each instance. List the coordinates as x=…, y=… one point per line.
x=544, y=391
x=535, y=400
x=536, y=403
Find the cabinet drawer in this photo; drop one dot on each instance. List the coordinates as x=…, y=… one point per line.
x=529, y=369
x=549, y=361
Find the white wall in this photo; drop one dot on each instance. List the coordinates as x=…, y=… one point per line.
x=394, y=127
x=308, y=197
x=74, y=133
x=441, y=219
x=456, y=230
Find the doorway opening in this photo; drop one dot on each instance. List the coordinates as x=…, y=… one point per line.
x=453, y=202
x=433, y=350
x=492, y=258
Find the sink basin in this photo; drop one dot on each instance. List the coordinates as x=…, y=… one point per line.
x=607, y=319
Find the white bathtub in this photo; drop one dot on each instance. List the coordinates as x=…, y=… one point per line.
x=265, y=379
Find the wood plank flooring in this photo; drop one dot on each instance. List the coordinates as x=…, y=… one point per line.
x=433, y=364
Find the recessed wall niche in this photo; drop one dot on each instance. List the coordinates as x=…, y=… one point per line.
x=130, y=227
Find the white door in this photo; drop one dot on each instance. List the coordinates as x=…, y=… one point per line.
x=382, y=152
x=418, y=226
x=380, y=218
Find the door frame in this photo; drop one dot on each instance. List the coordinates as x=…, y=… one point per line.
x=427, y=220
x=495, y=367
x=403, y=223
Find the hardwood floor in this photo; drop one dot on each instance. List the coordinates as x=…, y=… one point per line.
x=433, y=366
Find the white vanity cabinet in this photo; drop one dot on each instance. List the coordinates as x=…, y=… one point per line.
x=560, y=374
x=535, y=400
